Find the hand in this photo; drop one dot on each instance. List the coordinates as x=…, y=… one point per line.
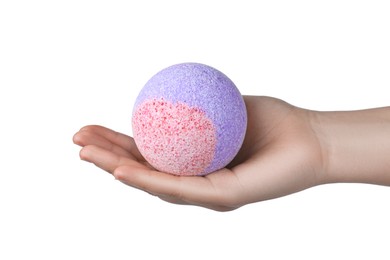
x=281, y=154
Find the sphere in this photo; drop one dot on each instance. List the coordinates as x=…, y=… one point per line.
x=189, y=119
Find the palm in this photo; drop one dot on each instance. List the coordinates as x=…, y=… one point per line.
x=280, y=155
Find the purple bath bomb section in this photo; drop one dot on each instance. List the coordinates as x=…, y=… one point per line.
x=206, y=88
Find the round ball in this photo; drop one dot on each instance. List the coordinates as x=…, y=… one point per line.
x=189, y=119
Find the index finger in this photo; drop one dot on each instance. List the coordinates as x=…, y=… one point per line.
x=122, y=140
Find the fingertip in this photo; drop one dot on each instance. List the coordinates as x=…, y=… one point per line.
x=75, y=138
x=84, y=153
x=118, y=174
x=123, y=173
x=78, y=137
x=137, y=177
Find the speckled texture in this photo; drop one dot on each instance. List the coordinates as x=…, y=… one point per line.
x=175, y=137
x=189, y=90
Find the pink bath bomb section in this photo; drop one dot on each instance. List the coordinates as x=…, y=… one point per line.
x=174, y=137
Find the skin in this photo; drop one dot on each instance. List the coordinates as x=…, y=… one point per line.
x=286, y=149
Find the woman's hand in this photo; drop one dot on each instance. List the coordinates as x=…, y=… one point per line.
x=281, y=154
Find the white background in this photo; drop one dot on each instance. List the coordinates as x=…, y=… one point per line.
x=65, y=64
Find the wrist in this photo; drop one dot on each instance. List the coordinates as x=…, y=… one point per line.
x=355, y=145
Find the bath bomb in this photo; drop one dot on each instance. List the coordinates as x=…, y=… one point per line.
x=189, y=119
